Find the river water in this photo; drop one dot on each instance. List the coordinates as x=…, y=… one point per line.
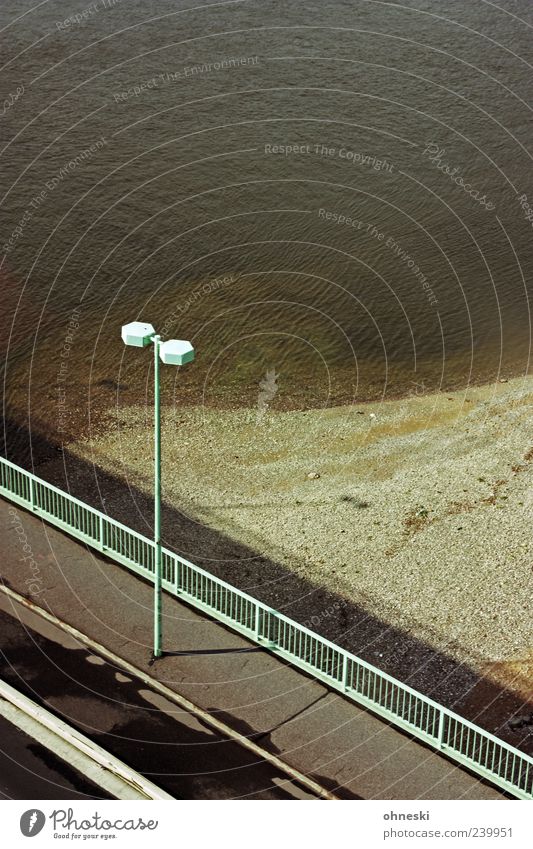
x=328, y=192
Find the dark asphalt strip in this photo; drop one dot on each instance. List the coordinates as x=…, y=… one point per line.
x=165, y=744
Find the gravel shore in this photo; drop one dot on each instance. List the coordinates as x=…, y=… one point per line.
x=417, y=510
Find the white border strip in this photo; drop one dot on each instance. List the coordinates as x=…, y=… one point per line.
x=87, y=757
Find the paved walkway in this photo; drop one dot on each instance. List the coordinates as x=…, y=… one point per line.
x=346, y=749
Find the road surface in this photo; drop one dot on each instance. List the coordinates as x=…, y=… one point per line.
x=344, y=748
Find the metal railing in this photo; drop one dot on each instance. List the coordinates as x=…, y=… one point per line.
x=440, y=728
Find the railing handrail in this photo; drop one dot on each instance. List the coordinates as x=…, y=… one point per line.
x=347, y=657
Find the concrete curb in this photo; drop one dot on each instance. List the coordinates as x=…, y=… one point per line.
x=87, y=757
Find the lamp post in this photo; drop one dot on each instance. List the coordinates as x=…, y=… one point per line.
x=174, y=352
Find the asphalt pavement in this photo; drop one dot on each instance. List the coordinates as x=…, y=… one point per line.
x=344, y=748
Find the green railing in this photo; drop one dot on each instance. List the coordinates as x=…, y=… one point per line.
x=443, y=730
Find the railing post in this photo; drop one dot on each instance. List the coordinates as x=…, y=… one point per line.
x=345, y=662
x=266, y=638
x=32, y=496
x=176, y=576
x=101, y=531
x=440, y=732
x=257, y=625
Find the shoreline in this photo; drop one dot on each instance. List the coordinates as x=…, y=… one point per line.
x=414, y=517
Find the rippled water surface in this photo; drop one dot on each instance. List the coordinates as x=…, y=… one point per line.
x=279, y=182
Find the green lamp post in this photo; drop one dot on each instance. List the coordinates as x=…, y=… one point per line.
x=174, y=352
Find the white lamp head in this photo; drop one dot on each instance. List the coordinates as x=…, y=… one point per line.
x=137, y=333
x=176, y=352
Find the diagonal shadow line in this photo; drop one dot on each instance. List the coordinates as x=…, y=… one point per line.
x=193, y=652
x=289, y=719
x=402, y=655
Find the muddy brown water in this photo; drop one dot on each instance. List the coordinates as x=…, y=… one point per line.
x=197, y=167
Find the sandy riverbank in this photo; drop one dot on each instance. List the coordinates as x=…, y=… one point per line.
x=422, y=513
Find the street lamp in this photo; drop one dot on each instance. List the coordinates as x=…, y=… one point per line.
x=174, y=352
